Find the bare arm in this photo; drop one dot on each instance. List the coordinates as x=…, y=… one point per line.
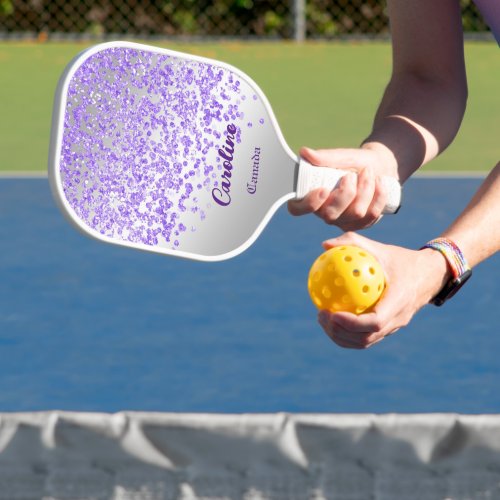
x=419, y=115
x=424, y=102
x=415, y=277
x=477, y=230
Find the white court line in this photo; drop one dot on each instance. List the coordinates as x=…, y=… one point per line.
x=23, y=175
x=431, y=174
x=453, y=174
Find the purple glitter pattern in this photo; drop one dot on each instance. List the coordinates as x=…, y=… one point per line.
x=141, y=134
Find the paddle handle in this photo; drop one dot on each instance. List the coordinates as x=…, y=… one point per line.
x=311, y=177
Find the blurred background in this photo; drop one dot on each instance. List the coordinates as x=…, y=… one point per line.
x=284, y=19
x=335, y=52
x=88, y=327
x=79, y=321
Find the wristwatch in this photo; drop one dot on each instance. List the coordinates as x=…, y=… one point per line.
x=459, y=267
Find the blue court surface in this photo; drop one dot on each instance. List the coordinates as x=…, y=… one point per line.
x=86, y=326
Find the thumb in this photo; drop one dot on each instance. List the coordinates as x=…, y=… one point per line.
x=348, y=238
x=353, y=159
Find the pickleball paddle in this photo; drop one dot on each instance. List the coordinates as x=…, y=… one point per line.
x=172, y=153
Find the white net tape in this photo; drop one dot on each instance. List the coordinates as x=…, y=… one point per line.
x=160, y=456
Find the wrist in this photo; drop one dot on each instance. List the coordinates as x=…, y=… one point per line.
x=388, y=165
x=437, y=273
x=458, y=268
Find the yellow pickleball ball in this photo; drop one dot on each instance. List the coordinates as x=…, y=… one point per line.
x=346, y=278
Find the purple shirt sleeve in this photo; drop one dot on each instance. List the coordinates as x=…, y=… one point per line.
x=490, y=9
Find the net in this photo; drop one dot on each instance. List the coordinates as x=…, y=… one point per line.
x=159, y=456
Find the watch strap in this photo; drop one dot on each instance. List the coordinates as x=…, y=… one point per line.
x=457, y=263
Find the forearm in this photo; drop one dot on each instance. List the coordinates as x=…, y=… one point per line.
x=416, y=121
x=477, y=230
x=424, y=103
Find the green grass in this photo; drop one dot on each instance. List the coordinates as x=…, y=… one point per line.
x=323, y=94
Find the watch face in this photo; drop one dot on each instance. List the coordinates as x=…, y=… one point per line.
x=451, y=288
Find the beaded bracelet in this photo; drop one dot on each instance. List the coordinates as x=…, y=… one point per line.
x=459, y=267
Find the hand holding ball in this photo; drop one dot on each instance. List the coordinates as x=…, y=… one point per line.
x=346, y=278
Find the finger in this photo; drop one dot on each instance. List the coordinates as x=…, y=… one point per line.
x=362, y=324
x=341, y=336
x=343, y=343
x=353, y=340
x=339, y=199
x=379, y=200
x=376, y=209
x=335, y=328
x=373, y=325
x=364, y=195
x=337, y=203
x=357, y=215
x=342, y=340
x=313, y=156
x=361, y=340
x=348, y=238
x=310, y=203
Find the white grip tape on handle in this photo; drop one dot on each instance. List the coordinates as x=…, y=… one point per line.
x=311, y=177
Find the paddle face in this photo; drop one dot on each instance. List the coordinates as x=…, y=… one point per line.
x=166, y=152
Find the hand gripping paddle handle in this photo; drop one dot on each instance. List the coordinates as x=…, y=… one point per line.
x=311, y=177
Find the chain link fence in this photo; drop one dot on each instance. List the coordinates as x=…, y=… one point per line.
x=286, y=19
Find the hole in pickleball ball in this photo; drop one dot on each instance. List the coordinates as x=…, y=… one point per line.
x=327, y=293
x=348, y=258
x=339, y=281
x=356, y=273
x=362, y=254
x=379, y=287
x=317, y=276
x=372, y=270
x=366, y=289
x=360, y=309
x=346, y=299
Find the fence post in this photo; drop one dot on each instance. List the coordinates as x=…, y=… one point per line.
x=299, y=20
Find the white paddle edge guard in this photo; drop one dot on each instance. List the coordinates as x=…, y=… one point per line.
x=57, y=131
x=311, y=177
